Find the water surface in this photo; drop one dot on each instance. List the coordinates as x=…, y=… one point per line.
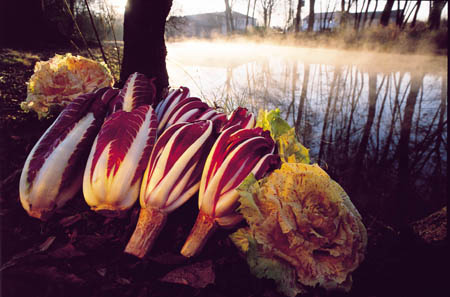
x=376, y=122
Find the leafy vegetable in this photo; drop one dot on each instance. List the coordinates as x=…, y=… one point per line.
x=63, y=78
x=242, y=117
x=118, y=158
x=289, y=148
x=113, y=174
x=171, y=178
x=52, y=173
x=236, y=153
x=178, y=107
x=138, y=90
x=302, y=226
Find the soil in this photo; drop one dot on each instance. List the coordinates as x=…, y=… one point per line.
x=80, y=253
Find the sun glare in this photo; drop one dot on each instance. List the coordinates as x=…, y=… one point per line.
x=119, y=5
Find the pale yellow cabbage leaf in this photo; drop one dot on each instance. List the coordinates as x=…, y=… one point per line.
x=61, y=79
x=301, y=223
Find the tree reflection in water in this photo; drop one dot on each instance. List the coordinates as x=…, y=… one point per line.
x=378, y=128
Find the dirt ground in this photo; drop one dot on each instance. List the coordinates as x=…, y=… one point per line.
x=80, y=253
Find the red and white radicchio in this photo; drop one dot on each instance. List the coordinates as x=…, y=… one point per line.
x=171, y=178
x=235, y=154
x=118, y=158
x=53, y=170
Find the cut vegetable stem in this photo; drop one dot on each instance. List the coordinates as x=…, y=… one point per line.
x=149, y=225
x=204, y=227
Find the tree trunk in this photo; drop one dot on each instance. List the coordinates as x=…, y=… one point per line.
x=400, y=14
x=434, y=19
x=355, y=23
x=413, y=22
x=366, y=13
x=265, y=17
x=298, y=16
x=386, y=15
x=144, y=45
x=373, y=13
x=246, y=17
x=311, y=16
x=229, y=17
x=253, y=12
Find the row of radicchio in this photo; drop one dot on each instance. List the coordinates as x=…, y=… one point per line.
x=53, y=170
x=117, y=161
x=163, y=157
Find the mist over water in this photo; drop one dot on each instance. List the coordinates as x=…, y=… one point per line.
x=376, y=122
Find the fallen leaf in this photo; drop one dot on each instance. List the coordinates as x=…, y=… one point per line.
x=123, y=281
x=101, y=271
x=168, y=258
x=70, y=220
x=197, y=275
x=31, y=251
x=66, y=252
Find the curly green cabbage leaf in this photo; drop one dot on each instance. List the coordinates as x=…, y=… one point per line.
x=303, y=230
x=58, y=81
x=289, y=148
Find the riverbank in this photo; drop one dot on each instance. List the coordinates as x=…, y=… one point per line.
x=418, y=40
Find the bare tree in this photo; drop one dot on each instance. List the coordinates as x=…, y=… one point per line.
x=366, y=13
x=373, y=13
x=246, y=17
x=413, y=22
x=311, y=15
x=267, y=6
x=229, y=17
x=298, y=16
x=289, y=12
x=386, y=15
x=408, y=14
x=400, y=13
x=434, y=19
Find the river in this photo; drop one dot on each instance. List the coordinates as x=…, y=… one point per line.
x=376, y=122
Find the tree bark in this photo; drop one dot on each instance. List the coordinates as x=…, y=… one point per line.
x=366, y=13
x=298, y=16
x=413, y=22
x=386, y=15
x=229, y=16
x=144, y=45
x=311, y=16
x=246, y=17
x=373, y=13
x=434, y=19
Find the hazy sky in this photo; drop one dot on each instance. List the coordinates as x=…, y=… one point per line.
x=187, y=7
